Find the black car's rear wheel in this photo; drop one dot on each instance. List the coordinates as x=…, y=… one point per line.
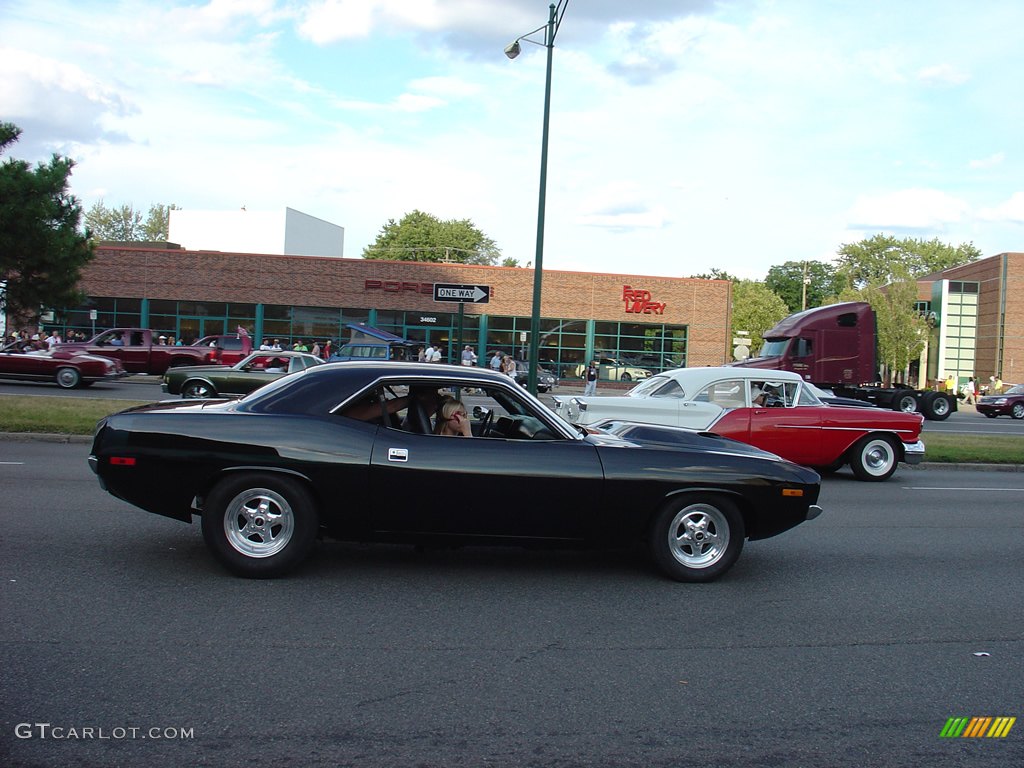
x=259, y=526
x=197, y=390
x=874, y=458
x=697, y=539
x=68, y=378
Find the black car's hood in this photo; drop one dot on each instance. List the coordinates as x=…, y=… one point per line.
x=708, y=442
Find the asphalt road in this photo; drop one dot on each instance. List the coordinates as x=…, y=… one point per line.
x=848, y=641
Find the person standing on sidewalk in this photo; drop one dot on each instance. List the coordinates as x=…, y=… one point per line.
x=591, y=376
x=970, y=392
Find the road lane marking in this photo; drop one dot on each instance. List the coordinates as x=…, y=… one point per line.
x=948, y=488
x=12, y=463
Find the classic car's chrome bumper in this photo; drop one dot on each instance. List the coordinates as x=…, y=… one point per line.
x=913, y=453
x=813, y=511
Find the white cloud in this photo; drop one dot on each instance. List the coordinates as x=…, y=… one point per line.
x=907, y=209
x=942, y=74
x=621, y=205
x=1010, y=211
x=992, y=161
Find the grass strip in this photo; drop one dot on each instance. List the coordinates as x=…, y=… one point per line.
x=57, y=415
x=973, y=449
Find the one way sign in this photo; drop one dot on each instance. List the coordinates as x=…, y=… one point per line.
x=465, y=294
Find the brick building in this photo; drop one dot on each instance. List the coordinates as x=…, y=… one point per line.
x=977, y=314
x=654, y=322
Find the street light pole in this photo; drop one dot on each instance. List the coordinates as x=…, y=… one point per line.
x=550, y=30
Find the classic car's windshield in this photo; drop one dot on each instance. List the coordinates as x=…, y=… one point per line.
x=809, y=395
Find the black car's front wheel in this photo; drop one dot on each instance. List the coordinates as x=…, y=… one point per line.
x=260, y=527
x=697, y=539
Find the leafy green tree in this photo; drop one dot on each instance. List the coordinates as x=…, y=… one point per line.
x=883, y=259
x=422, y=237
x=715, y=274
x=901, y=330
x=755, y=308
x=787, y=280
x=124, y=224
x=42, y=250
x=157, y=226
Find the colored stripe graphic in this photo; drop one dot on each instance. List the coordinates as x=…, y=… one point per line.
x=977, y=727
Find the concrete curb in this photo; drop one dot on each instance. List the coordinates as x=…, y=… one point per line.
x=42, y=437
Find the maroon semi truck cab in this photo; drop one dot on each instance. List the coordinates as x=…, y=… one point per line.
x=829, y=346
x=835, y=347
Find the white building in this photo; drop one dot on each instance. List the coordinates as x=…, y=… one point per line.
x=286, y=233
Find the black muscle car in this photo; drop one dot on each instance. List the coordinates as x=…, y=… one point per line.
x=354, y=451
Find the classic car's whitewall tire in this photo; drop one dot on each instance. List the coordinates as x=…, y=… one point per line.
x=195, y=389
x=1017, y=412
x=874, y=458
x=697, y=538
x=68, y=378
x=259, y=526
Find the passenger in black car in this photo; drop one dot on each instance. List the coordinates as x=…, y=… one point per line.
x=452, y=419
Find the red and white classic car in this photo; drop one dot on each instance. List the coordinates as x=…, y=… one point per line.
x=773, y=410
x=67, y=368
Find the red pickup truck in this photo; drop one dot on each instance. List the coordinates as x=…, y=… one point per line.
x=139, y=350
x=228, y=348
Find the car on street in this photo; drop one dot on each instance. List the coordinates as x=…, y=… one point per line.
x=68, y=369
x=546, y=380
x=352, y=451
x=612, y=369
x=1009, y=403
x=773, y=410
x=256, y=370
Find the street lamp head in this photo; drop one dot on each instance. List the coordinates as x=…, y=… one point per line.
x=512, y=49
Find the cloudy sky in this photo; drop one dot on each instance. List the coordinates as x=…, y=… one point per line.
x=685, y=134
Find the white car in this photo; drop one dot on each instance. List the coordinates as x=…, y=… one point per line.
x=773, y=410
x=611, y=369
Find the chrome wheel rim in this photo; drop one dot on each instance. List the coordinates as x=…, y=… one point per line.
x=908, y=404
x=698, y=535
x=1018, y=411
x=259, y=522
x=67, y=377
x=940, y=406
x=878, y=457
x=196, y=390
